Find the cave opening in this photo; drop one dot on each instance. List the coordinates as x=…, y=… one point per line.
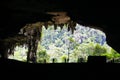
x=63, y=44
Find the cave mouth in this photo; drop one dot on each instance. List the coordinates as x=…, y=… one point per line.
x=61, y=44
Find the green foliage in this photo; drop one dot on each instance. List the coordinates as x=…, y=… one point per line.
x=63, y=58
x=113, y=51
x=42, y=56
x=112, y=55
x=99, y=50
x=108, y=55
x=71, y=39
x=19, y=54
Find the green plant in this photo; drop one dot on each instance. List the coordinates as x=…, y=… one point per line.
x=99, y=50
x=42, y=56
x=63, y=58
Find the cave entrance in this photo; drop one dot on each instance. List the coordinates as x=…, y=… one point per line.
x=59, y=44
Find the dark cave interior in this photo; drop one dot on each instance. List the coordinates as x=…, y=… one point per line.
x=16, y=14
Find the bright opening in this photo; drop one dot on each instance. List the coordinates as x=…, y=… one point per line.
x=61, y=45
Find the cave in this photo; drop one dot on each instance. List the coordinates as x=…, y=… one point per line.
x=17, y=14
x=61, y=43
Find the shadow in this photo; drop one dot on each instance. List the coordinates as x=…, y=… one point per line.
x=91, y=69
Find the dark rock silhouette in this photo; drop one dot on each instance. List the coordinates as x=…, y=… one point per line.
x=16, y=14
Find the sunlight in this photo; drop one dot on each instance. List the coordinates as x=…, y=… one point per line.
x=62, y=45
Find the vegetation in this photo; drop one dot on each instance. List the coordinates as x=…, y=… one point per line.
x=60, y=45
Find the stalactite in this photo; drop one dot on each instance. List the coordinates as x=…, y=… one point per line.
x=74, y=24
x=61, y=26
x=71, y=26
x=72, y=30
x=46, y=25
x=68, y=26
x=55, y=26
